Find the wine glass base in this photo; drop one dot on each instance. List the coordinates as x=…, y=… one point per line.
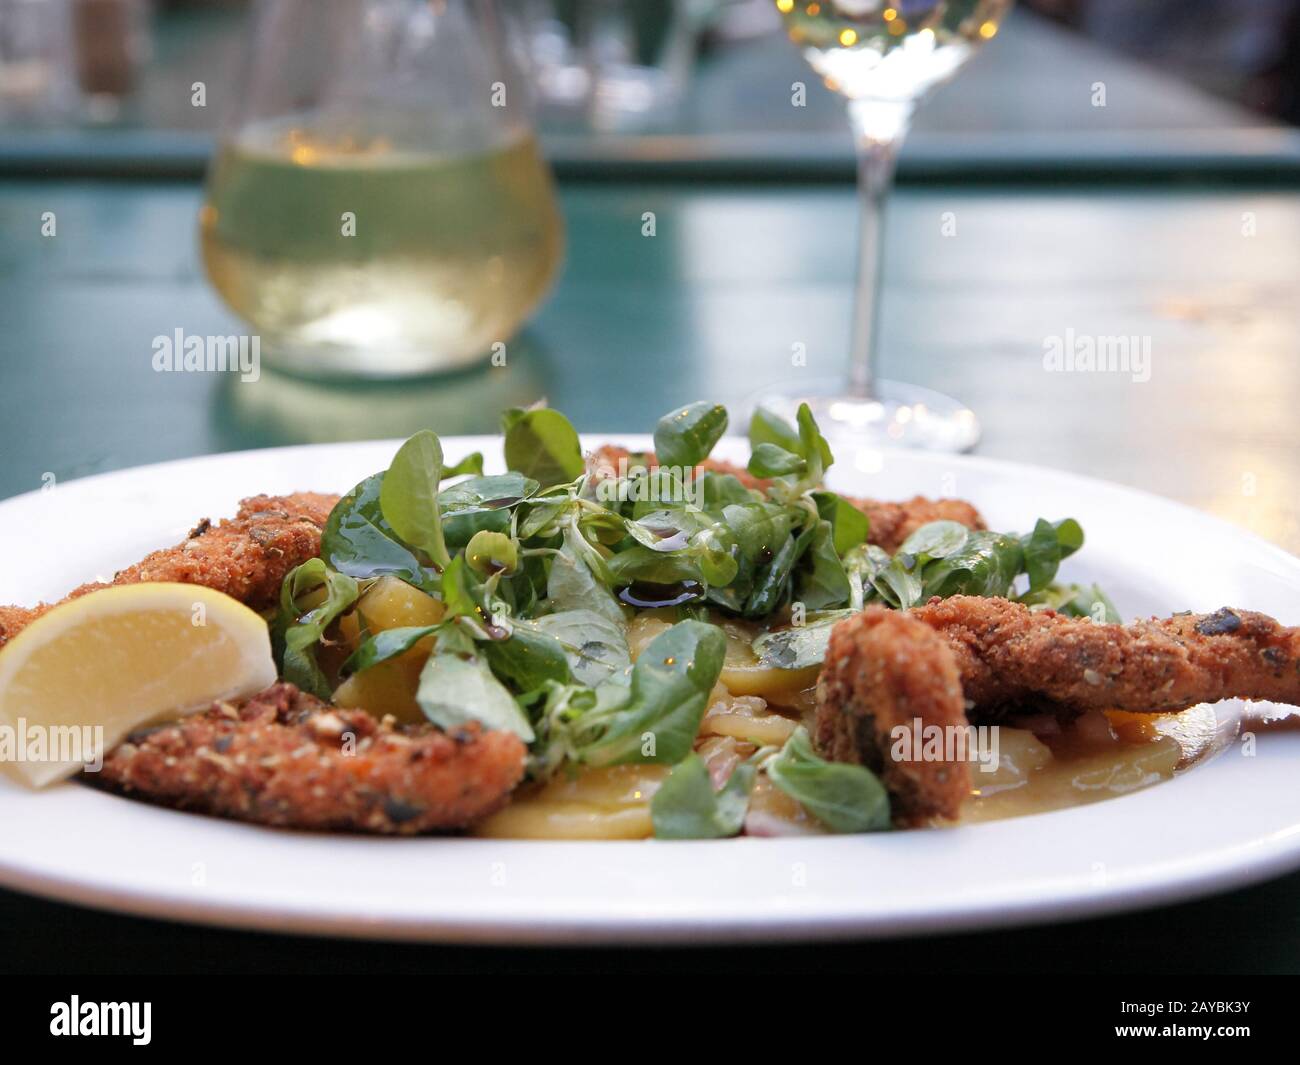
x=896, y=415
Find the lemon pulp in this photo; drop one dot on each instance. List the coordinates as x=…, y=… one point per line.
x=95, y=668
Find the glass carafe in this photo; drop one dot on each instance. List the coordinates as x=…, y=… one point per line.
x=378, y=205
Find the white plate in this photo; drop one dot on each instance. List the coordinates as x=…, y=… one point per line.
x=1227, y=823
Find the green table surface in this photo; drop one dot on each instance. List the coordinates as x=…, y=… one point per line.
x=710, y=307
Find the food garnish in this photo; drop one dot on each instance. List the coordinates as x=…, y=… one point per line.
x=120, y=658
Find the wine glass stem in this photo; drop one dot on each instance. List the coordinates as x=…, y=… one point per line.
x=879, y=127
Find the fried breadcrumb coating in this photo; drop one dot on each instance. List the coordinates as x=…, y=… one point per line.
x=892, y=523
x=1013, y=658
x=885, y=669
x=246, y=557
x=975, y=659
x=284, y=758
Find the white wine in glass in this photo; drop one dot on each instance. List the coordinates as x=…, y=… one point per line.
x=884, y=57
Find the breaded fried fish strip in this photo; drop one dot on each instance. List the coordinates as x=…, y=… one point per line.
x=886, y=669
x=246, y=556
x=983, y=659
x=284, y=758
x=1011, y=658
x=891, y=523
x=605, y=460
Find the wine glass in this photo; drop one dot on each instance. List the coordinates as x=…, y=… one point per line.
x=884, y=56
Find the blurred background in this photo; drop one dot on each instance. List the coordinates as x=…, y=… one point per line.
x=1101, y=168
x=703, y=84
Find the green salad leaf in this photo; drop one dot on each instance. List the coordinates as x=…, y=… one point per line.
x=528, y=659
x=595, y=646
x=767, y=428
x=800, y=646
x=779, y=450
x=298, y=627
x=1046, y=546
x=458, y=687
x=822, y=583
x=814, y=446
x=986, y=564
x=385, y=645
x=573, y=586
x=359, y=542
x=850, y=525
x=665, y=700
x=938, y=539
x=408, y=496
x=489, y=552
x=644, y=564
x=773, y=582
x=541, y=444
x=471, y=463
x=466, y=596
x=1076, y=601
x=687, y=807
x=844, y=797
x=717, y=490
x=770, y=460
x=896, y=580
x=481, y=504
x=685, y=436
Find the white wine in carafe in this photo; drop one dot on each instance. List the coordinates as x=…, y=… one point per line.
x=362, y=258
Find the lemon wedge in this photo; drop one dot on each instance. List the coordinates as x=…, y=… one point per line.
x=77, y=680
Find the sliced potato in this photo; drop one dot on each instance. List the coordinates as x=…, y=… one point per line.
x=722, y=754
x=741, y=672
x=783, y=687
x=743, y=675
x=390, y=603
x=1021, y=754
x=607, y=803
x=389, y=688
x=745, y=717
x=645, y=627
x=773, y=813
